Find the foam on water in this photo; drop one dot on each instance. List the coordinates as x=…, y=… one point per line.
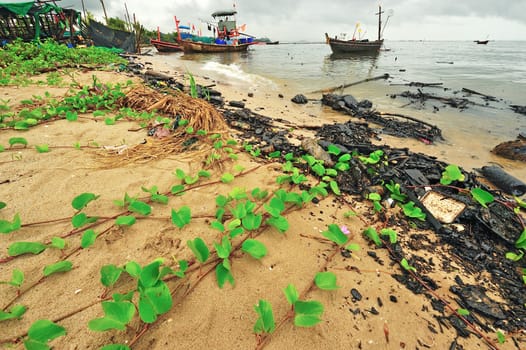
x=235, y=75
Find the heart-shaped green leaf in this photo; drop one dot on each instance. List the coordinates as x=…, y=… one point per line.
x=255, y=248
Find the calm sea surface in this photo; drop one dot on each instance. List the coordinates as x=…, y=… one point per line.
x=497, y=69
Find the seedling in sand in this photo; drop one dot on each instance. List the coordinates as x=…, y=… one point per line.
x=255, y=248
x=154, y=296
x=326, y=281
x=396, y=193
x=373, y=158
x=375, y=198
x=451, y=174
x=17, y=278
x=406, y=265
x=265, y=322
x=482, y=196
x=223, y=269
x=155, y=196
x=373, y=236
x=306, y=313
x=117, y=315
x=200, y=250
x=182, y=217
x=393, y=237
x=410, y=210
x=41, y=332
x=16, y=312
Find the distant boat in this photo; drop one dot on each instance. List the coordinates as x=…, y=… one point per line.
x=339, y=46
x=482, y=42
x=228, y=38
x=273, y=43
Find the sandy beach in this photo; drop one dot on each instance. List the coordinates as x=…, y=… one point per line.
x=369, y=310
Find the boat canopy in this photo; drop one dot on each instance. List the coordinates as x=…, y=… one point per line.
x=184, y=27
x=224, y=13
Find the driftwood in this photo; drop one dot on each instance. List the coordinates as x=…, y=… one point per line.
x=157, y=75
x=419, y=84
x=473, y=92
x=453, y=102
x=407, y=117
x=383, y=76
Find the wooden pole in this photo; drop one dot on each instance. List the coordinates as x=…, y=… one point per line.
x=104, y=9
x=128, y=19
x=138, y=34
x=84, y=10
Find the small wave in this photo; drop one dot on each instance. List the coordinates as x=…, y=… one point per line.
x=234, y=73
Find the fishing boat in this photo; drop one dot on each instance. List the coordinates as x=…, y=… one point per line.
x=165, y=46
x=339, y=46
x=481, y=42
x=227, y=36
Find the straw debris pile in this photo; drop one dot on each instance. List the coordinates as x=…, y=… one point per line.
x=201, y=116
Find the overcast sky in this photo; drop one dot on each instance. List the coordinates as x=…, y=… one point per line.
x=294, y=20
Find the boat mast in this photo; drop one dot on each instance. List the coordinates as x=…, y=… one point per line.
x=177, y=28
x=379, y=22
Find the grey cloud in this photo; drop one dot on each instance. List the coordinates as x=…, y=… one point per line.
x=309, y=19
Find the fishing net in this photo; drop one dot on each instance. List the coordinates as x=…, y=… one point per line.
x=194, y=127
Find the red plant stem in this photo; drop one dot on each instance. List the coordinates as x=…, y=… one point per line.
x=214, y=262
x=265, y=338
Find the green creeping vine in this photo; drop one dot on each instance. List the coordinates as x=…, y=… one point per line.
x=153, y=294
x=21, y=60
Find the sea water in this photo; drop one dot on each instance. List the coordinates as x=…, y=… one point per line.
x=497, y=69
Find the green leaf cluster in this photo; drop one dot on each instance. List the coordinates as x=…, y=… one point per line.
x=306, y=313
x=41, y=332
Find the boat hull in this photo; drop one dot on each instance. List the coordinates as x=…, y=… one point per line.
x=199, y=47
x=165, y=46
x=353, y=46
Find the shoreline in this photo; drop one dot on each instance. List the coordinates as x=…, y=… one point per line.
x=459, y=146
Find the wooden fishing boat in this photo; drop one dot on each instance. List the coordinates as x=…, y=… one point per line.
x=165, y=46
x=228, y=37
x=354, y=45
x=189, y=46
